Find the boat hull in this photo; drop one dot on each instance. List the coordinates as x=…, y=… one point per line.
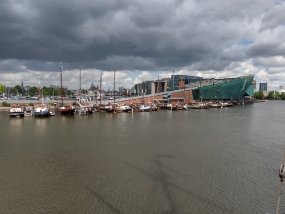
x=66, y=110
x=17, y=112
x=41, y=111
x=42, y=114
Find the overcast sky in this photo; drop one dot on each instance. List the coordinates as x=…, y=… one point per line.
x=141, y=40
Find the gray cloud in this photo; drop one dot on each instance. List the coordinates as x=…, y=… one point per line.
x=154, y=35
x=274, y=18
x=266, y=49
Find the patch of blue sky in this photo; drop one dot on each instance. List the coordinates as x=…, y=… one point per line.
x=245, y=42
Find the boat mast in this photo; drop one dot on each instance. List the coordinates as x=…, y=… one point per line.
x=100, y=89
x=185, y=100
x=143, y=90
x=39, y=92
x=80, y=86
x=173, y=80
x=42, y=92
x=158, y=89
x=114, y=86
x=61, y=89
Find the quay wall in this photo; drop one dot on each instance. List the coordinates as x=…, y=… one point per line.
x=186, y=95
x=4, y=108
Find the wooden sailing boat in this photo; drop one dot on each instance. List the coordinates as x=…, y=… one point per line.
x=84, y=107
x=111, y=107
x=64, y=109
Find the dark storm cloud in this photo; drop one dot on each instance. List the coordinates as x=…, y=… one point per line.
x=133, y=35
x=266, y=49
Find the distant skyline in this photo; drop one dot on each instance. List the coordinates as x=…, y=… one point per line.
x=140, y=39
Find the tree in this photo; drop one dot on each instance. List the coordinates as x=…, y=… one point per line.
x=13, y=91
x=271, y=95
x=18, y=89
x=2, y=89
x=259, y=95
x=32, y=91
x=282, y=96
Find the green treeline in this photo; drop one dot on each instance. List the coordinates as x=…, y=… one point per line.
x=32, y=91
x=272, y=95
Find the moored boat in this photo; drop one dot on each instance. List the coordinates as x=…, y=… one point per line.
x=17, y=111
x=41, y=110
x=66, y=109
x=107, y=108
x=124, y=108
x=144, y=108
x=84, y=110
x=29, y=112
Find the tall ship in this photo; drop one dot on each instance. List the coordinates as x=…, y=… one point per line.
x=63, y=108
x=224, y=89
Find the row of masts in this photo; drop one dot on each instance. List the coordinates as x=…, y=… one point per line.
x=100, y=85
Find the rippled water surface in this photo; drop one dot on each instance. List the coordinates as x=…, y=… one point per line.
x=196, y=161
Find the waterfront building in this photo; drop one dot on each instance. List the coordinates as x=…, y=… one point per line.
x=177, y=82
x=251, y=90
x=160, y=85
x=223, y=89
x=262, y=86
x=144, y=88
x=202, y=89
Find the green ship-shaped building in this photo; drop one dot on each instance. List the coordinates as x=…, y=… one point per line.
x=224, y=89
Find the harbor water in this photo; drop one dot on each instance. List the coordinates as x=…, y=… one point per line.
x=196, y=161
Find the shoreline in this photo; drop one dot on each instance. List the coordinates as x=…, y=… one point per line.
x=7, y=108
x=4, y=108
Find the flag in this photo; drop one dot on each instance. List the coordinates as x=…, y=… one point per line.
x=60, y=66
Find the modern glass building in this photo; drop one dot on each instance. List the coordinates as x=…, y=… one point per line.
x=224, y=89
x=177, y=82
x=262, y=86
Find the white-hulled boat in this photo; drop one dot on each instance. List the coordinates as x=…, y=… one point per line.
x=41, y=110
x=84, y=109
x=144, y=108
x=17, y=111
x=29, y=112
x=124, y=108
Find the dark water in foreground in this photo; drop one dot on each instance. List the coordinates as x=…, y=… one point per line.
x=196, y=161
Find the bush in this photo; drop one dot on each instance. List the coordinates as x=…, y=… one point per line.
x=5, y=104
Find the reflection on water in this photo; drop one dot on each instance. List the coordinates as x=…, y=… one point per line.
x=209, y=161
x=41, y=126
x=16, y=123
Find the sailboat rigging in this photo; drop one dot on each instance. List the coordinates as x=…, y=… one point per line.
x=84, y=107
x=65, y=109
x=41, y=109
